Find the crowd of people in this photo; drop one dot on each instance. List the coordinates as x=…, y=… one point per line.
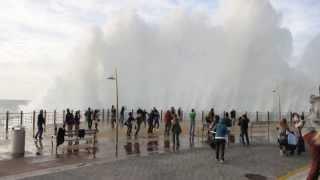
x=151, y=120
x=71, y=120
x=290, y=138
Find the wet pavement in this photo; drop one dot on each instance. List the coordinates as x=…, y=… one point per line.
x=40, y=155
x=40, y=158
x=242, y=163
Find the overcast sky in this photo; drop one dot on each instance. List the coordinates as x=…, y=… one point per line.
x=37, y=37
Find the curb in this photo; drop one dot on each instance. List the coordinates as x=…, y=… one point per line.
x=293, y=173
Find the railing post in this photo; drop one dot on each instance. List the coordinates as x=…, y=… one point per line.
x=202, y=119
x=291, y=116
x=108, y=116
x=161, y=115
x=63, y=116
x=102, y=115
x=251, y=132
x=257, y=116
x=45, y=120
x=21, y=118
x=33, y=123
x=55, y=121
x=268, y=127
x=7, y=124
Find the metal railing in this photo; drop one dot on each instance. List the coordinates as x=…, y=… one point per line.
x=262, y=123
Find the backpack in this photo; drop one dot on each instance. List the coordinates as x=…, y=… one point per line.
x=283, y=138
x=292, y=140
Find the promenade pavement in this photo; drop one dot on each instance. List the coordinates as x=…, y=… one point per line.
x=148, y=157
x=255, y=162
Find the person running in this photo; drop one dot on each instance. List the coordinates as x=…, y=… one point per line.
x=176, y=130
x=156, y=118
x=128, y=123
x=167, y=122
x=139, y=121
x=88, y=115
x=113, y=116
x=220, y=140
x=41, y=122
x=192, y=116
x=122, y=111
x=150, y=122
x=244, y=125
x=96, y=119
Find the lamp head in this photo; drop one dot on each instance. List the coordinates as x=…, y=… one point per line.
x=111, y=78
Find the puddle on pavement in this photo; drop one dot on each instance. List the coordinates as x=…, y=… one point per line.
x=255, y=177
x=144, y=145
x=153, y=145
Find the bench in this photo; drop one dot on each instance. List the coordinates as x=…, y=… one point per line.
x=75, y=143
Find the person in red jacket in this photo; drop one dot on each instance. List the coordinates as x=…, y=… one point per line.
x=312, y=139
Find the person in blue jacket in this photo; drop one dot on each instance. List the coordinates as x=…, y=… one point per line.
x=221, y=132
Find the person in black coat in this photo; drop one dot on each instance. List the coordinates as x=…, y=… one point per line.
x=139, y=119
x=41, y=122
x=128, y=123
x=69, y=121
x=244, y=126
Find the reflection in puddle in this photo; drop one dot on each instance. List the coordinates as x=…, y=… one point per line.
x=136, y=148
x=128, y=148
x=166, y=143
x=152, y=144
x=132, y=147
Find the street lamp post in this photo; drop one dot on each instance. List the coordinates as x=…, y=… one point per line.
x=279, y=101
x=115, y=77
